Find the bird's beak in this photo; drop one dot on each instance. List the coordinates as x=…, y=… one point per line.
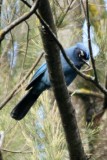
x=86, y=62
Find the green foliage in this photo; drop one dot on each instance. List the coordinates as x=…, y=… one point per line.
x=38, y=136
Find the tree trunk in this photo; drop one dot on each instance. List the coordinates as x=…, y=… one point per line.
x=66, y=109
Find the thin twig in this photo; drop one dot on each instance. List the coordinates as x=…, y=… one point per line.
x=66, y=11
x=9, y=97
x=89, y=43
x=87, y=92
x=83, y=8
x=4, y=31
x=24, y=152
x=105, y=97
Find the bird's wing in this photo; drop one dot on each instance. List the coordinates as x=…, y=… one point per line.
x=37, y=74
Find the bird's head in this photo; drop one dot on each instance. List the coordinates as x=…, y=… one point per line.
x=81, y=55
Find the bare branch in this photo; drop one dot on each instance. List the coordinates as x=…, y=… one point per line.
x=87, y=92
x=105, y=97
x=71, y=3
x=89, y=42
x=4, y=31
x=83, y=8
x=11, y=151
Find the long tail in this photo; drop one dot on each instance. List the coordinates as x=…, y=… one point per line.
x=21, y=109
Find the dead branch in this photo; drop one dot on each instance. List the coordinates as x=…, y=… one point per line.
x=4, y=31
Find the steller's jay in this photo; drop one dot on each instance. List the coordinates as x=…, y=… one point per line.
x=40, y=81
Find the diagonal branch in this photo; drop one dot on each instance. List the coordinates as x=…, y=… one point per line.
x=60, y=21
x=4, y=31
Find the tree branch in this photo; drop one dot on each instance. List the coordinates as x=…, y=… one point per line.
x=83, y=8
x=87, y=92
x=11, y=151
x=89, y=42
x=105, y=97
x=4, y=31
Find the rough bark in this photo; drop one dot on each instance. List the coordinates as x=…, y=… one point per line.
x=66, y=109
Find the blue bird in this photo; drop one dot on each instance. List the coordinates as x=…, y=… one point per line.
x=40, y=81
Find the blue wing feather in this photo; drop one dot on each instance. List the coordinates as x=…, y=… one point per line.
x=37, y=74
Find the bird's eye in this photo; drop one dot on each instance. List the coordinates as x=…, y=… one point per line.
x=81, y=54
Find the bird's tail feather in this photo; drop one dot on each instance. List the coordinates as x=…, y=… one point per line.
x=21, y=109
